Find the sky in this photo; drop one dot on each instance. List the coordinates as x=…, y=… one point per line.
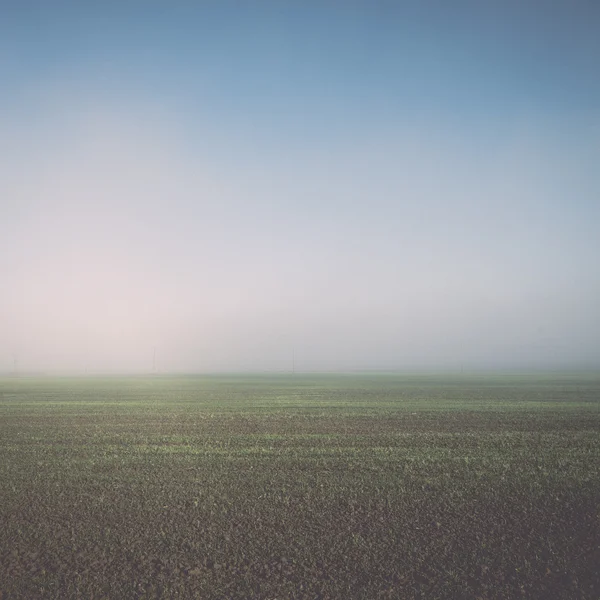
x=268, y=186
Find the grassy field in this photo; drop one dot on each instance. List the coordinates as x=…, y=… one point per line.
x=305, y=486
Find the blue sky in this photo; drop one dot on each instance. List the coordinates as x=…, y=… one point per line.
x=374, y=184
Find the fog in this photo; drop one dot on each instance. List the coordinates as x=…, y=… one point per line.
x=130, y=230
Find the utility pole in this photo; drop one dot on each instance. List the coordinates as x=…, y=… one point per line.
x=293, y=360
x=154, y=361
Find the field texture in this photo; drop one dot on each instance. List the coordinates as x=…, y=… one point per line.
x=306, y=486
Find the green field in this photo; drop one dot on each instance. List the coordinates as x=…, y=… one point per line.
x=300, y=486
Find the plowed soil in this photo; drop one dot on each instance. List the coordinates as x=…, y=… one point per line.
x=304, y=486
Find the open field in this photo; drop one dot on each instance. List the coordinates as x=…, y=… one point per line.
x=305, y=486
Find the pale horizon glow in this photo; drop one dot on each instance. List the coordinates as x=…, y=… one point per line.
x=350, y=187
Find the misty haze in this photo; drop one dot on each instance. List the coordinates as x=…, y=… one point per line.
x=349, y=199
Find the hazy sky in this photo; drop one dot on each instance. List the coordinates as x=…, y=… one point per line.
x=369, y=184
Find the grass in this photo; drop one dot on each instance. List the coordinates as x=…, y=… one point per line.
x=305, y=486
